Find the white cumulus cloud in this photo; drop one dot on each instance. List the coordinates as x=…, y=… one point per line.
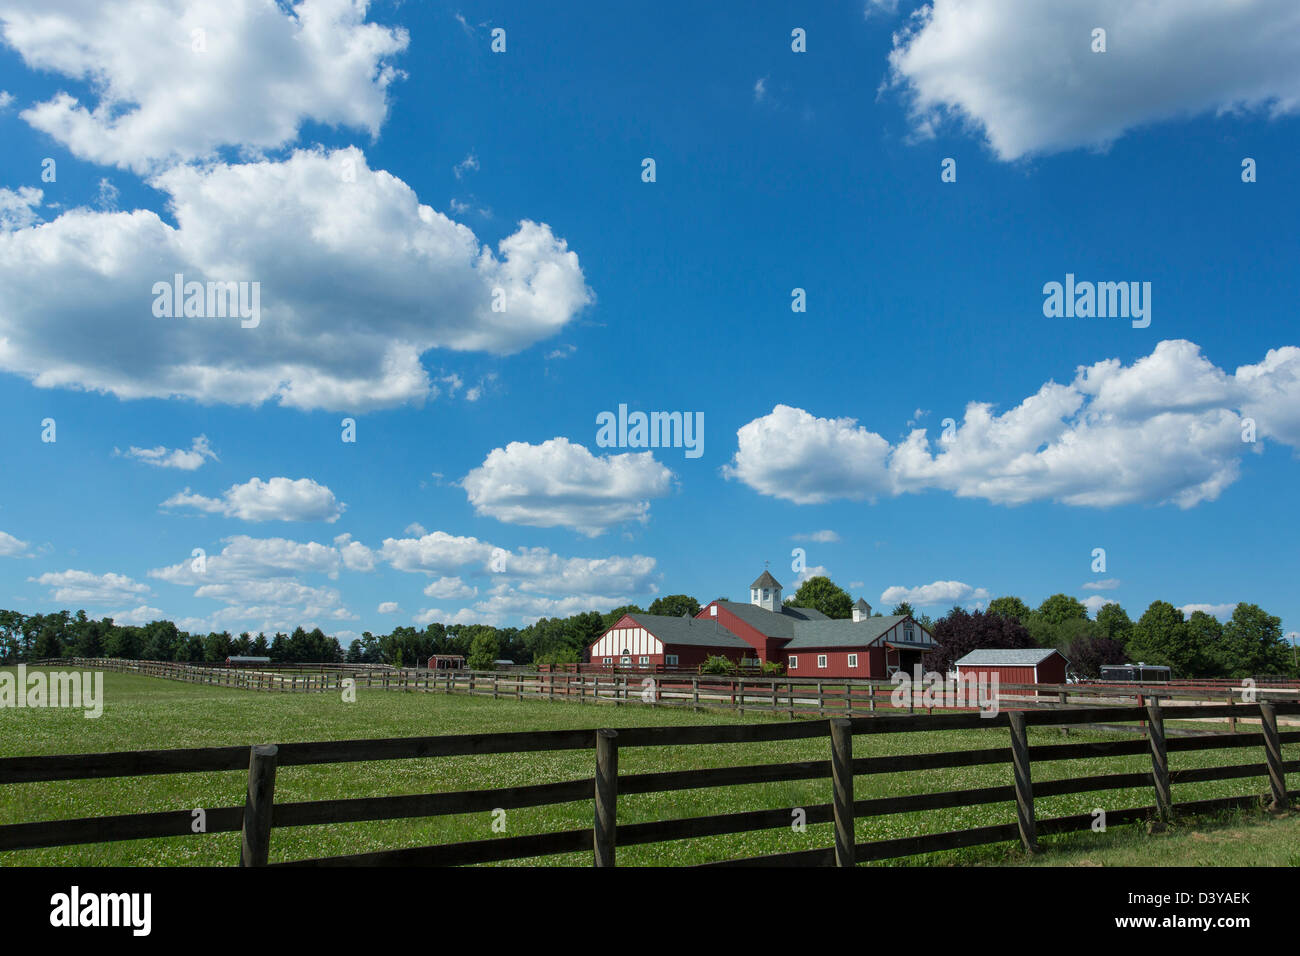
x=190, y=459
x=85, y=587
x=1023, y=72
x=278, y=499
x=176, y=80
x=356, y=280
x=1167, y=429
x=937, y=593
x=559, y=483
x=11, y=547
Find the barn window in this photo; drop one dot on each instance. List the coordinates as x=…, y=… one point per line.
x=821, y=660
x=853, y=660
x=907, y=633
x=794, y=662
x=608, y=660
x=644, y=660
x=670, y=660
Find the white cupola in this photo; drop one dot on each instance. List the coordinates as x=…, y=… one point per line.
x=766, y=592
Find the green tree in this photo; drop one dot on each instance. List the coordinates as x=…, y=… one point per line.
x=675, y=605
x=823, y=594
x=1059, y=608
x=1252, y=644
x=484, y=650
x=11, y=635
x=1206, y=636
x=1160, y=636
x=1011, y=607
x=903, y=608
x=1114, y=623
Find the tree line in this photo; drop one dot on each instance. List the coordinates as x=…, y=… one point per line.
x=548, y=640
x=1250, y=644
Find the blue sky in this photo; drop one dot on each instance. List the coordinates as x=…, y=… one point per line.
x=298, y=148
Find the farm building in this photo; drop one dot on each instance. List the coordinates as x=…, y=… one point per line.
x=1035, y=665
x=446, y=662
x=806, y=641
x=659, y=641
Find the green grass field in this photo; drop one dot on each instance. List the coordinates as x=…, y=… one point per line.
x=146, y=713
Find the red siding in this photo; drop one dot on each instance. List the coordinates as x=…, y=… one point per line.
x=871, y=663
x=766, y=648
x=1049, y=671
x=688, y=655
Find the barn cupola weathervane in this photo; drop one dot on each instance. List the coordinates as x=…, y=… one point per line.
x=766, y=592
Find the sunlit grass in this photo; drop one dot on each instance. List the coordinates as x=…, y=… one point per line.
x=147, y=713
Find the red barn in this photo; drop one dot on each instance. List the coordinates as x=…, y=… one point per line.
x=806, y=641
x=656, y=640
x=1035, y=665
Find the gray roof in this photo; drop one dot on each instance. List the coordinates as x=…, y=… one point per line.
x=1011, y=657
x=772, y=623
x=765, y=580
x=844, y=633
x=701, y=632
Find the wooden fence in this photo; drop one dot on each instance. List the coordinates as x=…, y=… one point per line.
x=791, y=697
x=260, y=813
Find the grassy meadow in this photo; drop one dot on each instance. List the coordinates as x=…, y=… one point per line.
x=147, y=713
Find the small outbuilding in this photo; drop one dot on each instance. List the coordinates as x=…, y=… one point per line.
x=447, y=662
x=1033, y=665
x=660, y=642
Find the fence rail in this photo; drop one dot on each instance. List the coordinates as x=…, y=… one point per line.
x=791, y=697
x=261, y=815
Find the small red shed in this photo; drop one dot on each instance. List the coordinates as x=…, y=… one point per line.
x=1035, y=665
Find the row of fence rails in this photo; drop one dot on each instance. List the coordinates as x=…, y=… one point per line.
x=237, y=678
x=260, y=814
x=793, y=697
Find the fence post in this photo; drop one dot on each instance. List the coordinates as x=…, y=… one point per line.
x=1024, y=786
x=606, y=796
x=255, y=845
x=695, y=693
x=1273, y=754
x=789, y=690
x=1159, y=759
x=821, y=701
x=740, y=700
x=842, y=781
x=871, y=697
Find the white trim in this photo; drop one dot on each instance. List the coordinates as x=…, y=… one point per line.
x=821, y=661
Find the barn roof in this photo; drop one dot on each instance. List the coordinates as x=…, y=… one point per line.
x=1009, y=657
x=772, y=623
x=700, y=632
x=841, y=633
